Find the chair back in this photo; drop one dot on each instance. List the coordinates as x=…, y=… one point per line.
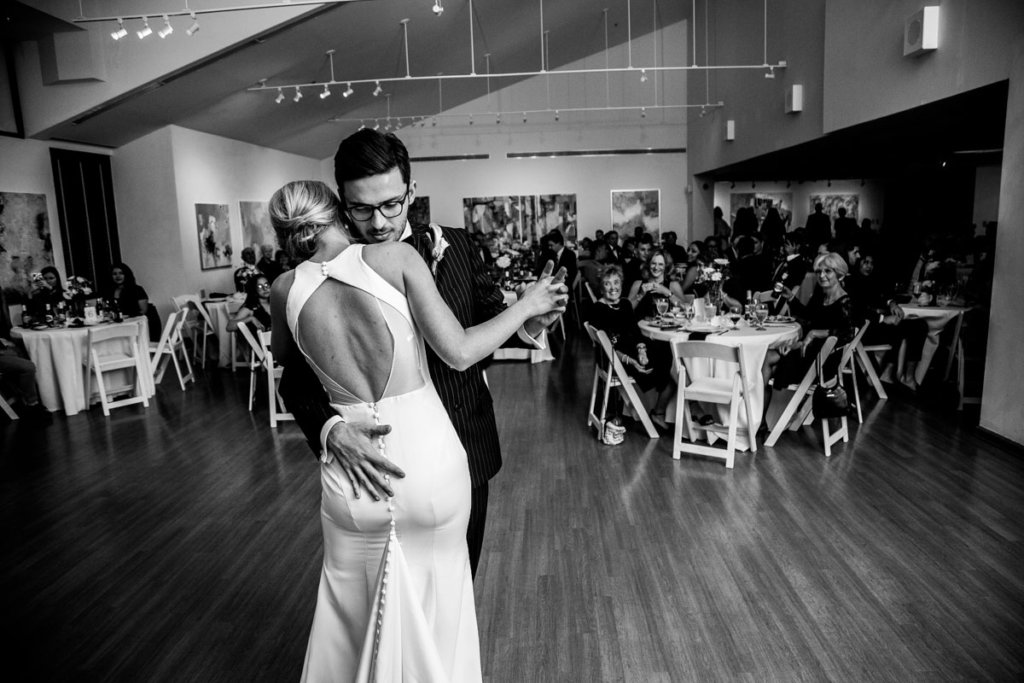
x=170, y=330
x=180, y=302
x=850, y=347
x=258, y=347
x=590, y=292
x=121, y=331
x=703, y=349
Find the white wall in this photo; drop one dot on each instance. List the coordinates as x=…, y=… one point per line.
x=158, y=181
x=25, y=167
x=1002, y=403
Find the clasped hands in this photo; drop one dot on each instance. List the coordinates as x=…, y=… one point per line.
x=550, y=294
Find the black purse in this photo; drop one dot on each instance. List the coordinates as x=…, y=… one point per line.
x=829, y=399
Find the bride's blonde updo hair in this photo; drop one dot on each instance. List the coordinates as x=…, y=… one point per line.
x=300, y=211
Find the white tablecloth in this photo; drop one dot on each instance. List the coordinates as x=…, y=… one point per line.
x=753, y=345
x=221, y=312
x=60, y=371
x=937, y=318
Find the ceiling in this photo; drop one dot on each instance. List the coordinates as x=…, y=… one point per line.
x=211, y=95
x=964, y=130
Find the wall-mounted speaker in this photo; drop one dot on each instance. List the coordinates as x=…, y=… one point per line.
x=921, y=31
x=730, y=130
x=794, y=99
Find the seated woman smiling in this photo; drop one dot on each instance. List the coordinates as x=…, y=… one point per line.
x=648, y=362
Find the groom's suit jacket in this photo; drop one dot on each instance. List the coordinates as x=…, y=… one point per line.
x=467, y=288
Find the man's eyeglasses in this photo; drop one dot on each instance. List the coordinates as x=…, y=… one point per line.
x=389, y=209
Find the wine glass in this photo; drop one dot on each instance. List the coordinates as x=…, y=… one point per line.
x=662, y=306
x=760, y=315
x=735, y=315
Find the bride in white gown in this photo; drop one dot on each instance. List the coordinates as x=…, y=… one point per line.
x=396, y=595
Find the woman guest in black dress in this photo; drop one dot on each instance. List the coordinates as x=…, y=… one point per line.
x=256, y=308
x=829, y=312
x=132, y=300
x=654, y=284
x=49, y=290
x=648, y=362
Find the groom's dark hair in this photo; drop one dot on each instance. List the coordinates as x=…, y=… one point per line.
x=366, y=153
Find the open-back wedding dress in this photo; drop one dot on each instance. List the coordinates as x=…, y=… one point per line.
x=396, y=594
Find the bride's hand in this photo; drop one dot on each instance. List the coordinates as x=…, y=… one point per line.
x=548, y=294
x=354, y=447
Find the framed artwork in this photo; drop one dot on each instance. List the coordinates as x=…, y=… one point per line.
x=256, y=228
x=507, y=218
x=557, y=212
x=761, y=202
x=419, y=211
x=831, y=202
x=637, y=208
x=213, y=229
x=26, y=245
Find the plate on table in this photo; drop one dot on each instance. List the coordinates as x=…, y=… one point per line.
x=705, y=327
x=781, y=319
x=40, y=327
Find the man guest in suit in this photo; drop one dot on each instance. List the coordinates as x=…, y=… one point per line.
x=374, y=179
x=562, y=257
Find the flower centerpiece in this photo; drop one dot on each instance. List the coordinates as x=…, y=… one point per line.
x=710, y=278
x=76, y=290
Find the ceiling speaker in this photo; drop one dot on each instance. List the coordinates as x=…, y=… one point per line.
x=921, y=31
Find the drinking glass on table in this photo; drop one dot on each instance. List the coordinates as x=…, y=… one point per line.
x=662, y=306
x=735, y=315
x=760, y=315
x=688, y=313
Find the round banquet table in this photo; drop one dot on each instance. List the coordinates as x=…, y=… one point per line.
x=59, y=354
x=937, y=318
x=753, y=345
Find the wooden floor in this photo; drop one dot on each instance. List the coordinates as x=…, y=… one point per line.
x=183, y=543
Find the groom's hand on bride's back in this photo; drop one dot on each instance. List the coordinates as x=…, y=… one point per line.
x=354, y=447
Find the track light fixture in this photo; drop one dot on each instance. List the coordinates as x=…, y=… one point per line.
x=557, y=115
x=643, y=112
x=121, y=31
x=145, y=30
x=167, y=29
x=326, y=93
x=378, y=90
x=376, y=124
x=298, y=95
x=437, y=9
x=195, y=25
x=348, y=90
x=280, y=96
x=770, y=73
x=361, y=125
x=643, y=75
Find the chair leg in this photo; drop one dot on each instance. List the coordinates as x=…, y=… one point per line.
x=856, y=391
x=629, y=393
x=734, y=417
x=7, y=410
x=103, y=392
x=869, y=369
x=681, y=425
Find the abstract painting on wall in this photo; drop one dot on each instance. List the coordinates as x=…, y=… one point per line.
x=256, y=227
x=637, y=208
x=419, y=211
x=213, y=228
x=25, y=242
x=507, y=218
x=557, y=212
x=831, y=202
x=761, y=202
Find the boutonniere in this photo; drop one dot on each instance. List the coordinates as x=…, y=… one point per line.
x=438, y=254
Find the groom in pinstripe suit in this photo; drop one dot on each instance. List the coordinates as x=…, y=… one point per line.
x=373, y=175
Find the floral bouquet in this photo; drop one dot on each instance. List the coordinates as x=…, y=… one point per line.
x=77, y=287
x=710, y=279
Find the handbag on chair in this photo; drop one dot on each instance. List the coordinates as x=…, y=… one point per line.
x=829, y=398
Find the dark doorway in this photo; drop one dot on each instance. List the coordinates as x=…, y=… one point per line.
x=85, y=206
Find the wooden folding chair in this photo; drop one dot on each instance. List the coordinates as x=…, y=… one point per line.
x=201, y=327
x=165, y=351
x=99, y=361
x=711, y=388
x=608, y=374
x=256, y=359
x=798, y=410
x=278, y=412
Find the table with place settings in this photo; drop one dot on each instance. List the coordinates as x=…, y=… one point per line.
x=59, y=354
x=753, y=345
x=937, y=318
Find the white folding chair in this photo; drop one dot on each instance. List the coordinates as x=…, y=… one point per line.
x=6, y=408
x=577, y=293
x=166, y=350
x=99, y=361
x=848, y=365
x=278, y=412
x=710, y=388
x=798, y=410
x=590, y=292
x=608, y=374
x=256, y=359
x=200, y=327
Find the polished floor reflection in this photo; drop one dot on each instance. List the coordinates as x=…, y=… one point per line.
x=183, y=543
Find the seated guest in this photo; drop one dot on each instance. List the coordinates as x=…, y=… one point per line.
x=674, y=250
x=654, y=284
x=586, y=248
x=131, y=298
x=649, y=363
x=710, y=250
x=284, y=263
x=256, y=308
x=611, y=238
x=246, y=270
x=267, y=265
x=695, y=260
x=18, y=373
x=789, y=273
x=830, y=312
x=747, y=274
x=889, y=324
x=49, y=290
x=591, y=269
x=558, y=254
x=633, y=270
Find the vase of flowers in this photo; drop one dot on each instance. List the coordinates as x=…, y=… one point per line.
x=76, y=291
x=710, y=278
